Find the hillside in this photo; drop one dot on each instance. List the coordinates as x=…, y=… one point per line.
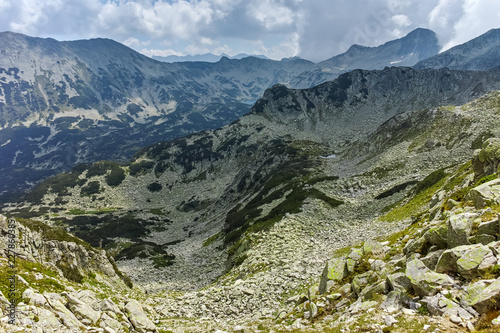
x=257, y=207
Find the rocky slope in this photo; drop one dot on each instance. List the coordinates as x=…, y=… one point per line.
x=56, y=282
x=481, y=53
x=262, y=203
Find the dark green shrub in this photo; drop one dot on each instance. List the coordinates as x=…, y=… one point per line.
x=116, y=176
x=155, y=187
x=430, y=180
x=91, y=188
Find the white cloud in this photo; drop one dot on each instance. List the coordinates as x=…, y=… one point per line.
x=159, y=53
x=313, y=29
x=401, y=20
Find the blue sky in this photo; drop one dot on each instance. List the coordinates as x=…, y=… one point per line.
x=312, y=29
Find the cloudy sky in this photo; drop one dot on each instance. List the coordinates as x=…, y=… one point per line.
x=312, y=29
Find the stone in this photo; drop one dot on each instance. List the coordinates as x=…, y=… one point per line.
x=415, y=245
x=496, y=321
x=447, y=263
x=395, y=301
x=487, y=194
x=482, y=297
x=49, y=320
x=355, y=254
x=310, y=309
x=375, y=248
x=108, y=305
x=360, y=281
x=35, y=298
x=470, y=261
x=455, y=319
x=459, y=229
x=431, y=259
x=437, y=235
x=450, y=204
x=138, y=318
x=389, y=320
x=424, y=281
x=398, y=281
x=108, y=322
x=485, y=160
x=83, y=311
x=489, y=228
x=297, y=299
x=376, y=289
x=482, y=239
x=440, y=305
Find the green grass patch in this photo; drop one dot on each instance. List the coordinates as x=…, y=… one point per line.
x=211, y=239
x=486, y=179
x=416, y=205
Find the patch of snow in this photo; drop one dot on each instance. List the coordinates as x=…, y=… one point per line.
x=15, y=157
x=329, y=156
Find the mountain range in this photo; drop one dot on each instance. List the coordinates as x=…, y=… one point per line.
x=206, y=57
x=60, y=100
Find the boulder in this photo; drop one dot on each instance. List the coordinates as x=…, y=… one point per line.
x=489, y=228
x=83, y=311
x=475, y=261
x=370, y=291
x=424, y=281
x=486, y=160
x=108, y=322
x=437, y=235
x=482, y=239
x=395, y=301
x=432, y=259
x=439, y=305
x=481, y=296
x=138, y=318
x=398, y=281
x=336, y=270
x=447, y=263
x=360, y=281
x=486, y=194
x=459, y=229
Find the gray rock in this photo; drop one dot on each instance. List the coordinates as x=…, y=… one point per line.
x=395, y=301
x=476, y=261
x=482, y=297
x=459, y=229
x=138, y=318
x=447, y=263
x=482, y=239
x=489, y=228
x=484, y=195
x=424, y=281
x=398, y=281
x=335, y=270
x=431, y=259
x=389, y=320
x=83, y=311
x=360, y=281
x=437, y=235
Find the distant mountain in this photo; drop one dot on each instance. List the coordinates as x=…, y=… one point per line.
x=481, y=53
x=64, y=103
x=206, y=57
x=407, y=51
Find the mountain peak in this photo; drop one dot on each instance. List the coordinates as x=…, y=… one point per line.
x=480, y=53
x=406, y=51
